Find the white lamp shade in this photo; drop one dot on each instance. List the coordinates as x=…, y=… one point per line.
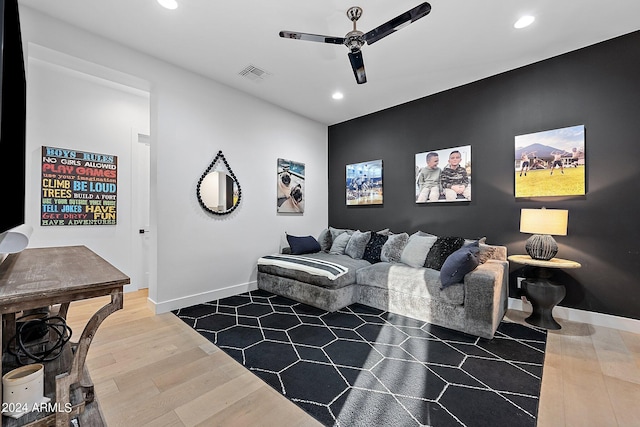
x=16, y=239
x=544, y=221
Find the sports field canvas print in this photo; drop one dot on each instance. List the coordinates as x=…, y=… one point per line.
x=364, y=183
x=550, y=163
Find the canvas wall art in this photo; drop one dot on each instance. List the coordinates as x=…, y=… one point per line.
x=364, y=183
x=550, y=163
x=290, y=187
x=78, y=187
x=443, y=175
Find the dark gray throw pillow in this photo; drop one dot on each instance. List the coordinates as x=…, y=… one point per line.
x=392, y=249
x=335, y=232
x=325, y=240
x=357, y=244
x=458, y=264
x=340, y=244
x=303, y=245
x=440, y=251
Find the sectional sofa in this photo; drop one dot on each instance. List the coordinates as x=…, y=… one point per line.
x=452, y=282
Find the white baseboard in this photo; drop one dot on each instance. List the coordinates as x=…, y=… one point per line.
x=174, y=304
x=129, y=288
x=583, y=316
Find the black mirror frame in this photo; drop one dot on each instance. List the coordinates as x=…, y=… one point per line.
x=219, y=157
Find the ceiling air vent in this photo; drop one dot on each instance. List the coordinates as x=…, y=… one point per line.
x=254, y=73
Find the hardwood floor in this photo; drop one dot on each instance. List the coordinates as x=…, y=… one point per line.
x=155, y=371
x=591, y=376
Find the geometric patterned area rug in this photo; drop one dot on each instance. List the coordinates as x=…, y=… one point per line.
x=361, y=366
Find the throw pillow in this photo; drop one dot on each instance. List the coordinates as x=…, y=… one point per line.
x=303, y=245
x=392, y=249
x=357, y=244
x=458, y=264
x=339, y=244
x=441, y=249
x=481, y=240
x=486, y=253
x=335, y=232
x=423, y=233
x=325, y=240
x=415, y=252
x=374, y=248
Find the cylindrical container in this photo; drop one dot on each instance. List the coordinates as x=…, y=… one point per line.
x=22, y=388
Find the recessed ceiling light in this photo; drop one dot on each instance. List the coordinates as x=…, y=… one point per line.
x=337, y=95
x=524, y=21
x=169, y=4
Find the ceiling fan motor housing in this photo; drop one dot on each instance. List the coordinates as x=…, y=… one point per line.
x=354, y=40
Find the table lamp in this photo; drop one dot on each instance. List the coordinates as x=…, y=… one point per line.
x=15, y=239
x=542, y=223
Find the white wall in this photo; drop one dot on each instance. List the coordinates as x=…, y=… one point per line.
x=197, y=257
x=73, y=110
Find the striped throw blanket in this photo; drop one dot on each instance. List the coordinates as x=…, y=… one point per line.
x=313, y=266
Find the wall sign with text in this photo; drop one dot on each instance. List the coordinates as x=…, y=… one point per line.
x=78, y=187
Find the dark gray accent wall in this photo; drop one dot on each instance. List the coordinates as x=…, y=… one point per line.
x=598, y=86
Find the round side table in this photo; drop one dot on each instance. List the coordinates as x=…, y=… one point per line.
x=543, y=293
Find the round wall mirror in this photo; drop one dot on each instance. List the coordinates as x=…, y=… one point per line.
x=218, y=189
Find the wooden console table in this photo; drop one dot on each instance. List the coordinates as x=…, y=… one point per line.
x=43, y=277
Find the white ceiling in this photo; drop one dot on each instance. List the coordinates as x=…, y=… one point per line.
x=460, y=41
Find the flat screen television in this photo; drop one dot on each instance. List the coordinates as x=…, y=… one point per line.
x=12, y=117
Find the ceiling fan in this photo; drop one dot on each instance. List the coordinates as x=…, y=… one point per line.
x=355, y=39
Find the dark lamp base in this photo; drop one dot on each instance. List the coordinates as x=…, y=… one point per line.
x=541, y=246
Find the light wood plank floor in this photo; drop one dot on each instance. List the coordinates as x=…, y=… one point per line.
x=155, y=371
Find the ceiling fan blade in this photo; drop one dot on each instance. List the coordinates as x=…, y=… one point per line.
x=357, y=63
x=397, y=23
x=311, y=37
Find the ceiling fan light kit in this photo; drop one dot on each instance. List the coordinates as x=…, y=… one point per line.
x=355, y=39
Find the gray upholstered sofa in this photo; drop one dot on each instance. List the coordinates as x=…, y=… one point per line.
x=399, y=284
